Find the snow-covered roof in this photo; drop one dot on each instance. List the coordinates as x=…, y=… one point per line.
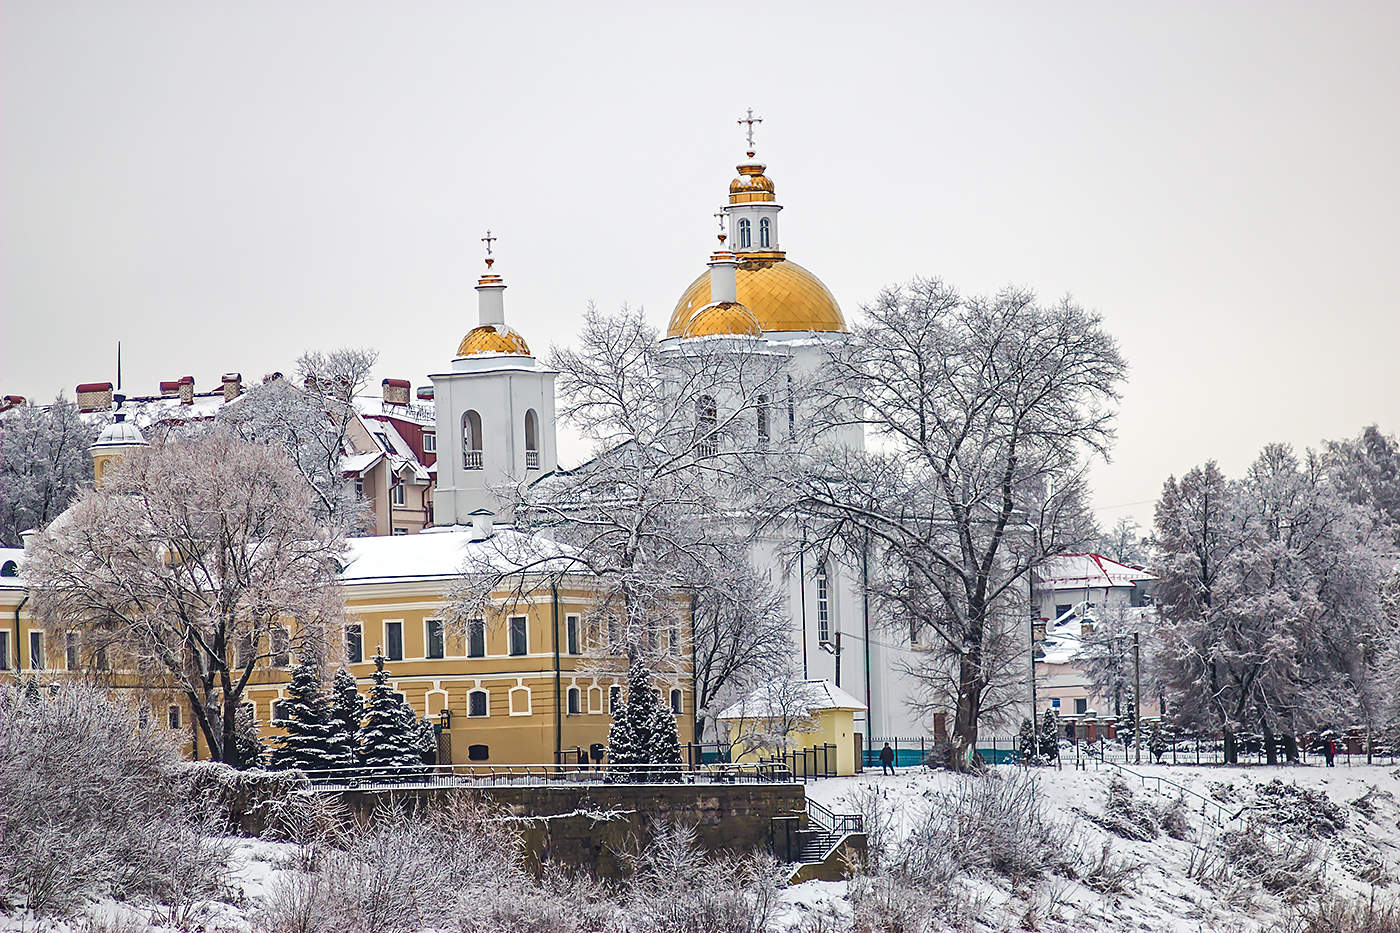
x=355, y=464
x=1068, y=571
x=420, y=412
x=442, y=552
x=1064, y=636
x=777, y=698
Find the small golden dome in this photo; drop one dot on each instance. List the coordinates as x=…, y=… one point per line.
x=492, y=338
x=751, y=185
x=779, y=293
x=724, y=318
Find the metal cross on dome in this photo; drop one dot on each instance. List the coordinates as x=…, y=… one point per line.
x=488, y=240
x=750, y=119
x=719, y=215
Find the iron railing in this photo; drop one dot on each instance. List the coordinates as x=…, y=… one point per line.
x=426, y=777
x=532, y=459
x=830, y=821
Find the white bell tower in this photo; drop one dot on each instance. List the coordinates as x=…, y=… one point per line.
x=495, y=414
x=752, y=211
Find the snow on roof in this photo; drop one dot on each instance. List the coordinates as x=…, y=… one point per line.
x=1064, y=637
x=1068, y=571
x=770, y=700
x=442, y=553
x=355, y=464
x=421, y=412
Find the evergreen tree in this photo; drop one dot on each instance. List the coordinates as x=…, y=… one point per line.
x=309, y=738
x=1049, y=736
x=386, y=739
x=248, y=746
x=1027, y=742
x=643, y=728
x=347, y=711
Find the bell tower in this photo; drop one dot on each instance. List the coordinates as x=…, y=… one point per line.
x=116, y=441
x=495, y=413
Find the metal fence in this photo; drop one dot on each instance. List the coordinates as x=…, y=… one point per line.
x=830, y=821
x=804, y=764
x=1210, y=750
x=428, y=777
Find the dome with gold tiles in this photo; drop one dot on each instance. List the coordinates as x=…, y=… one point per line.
x=723, y=318
x=492, y=338
x=780, y=294
x=751, y=185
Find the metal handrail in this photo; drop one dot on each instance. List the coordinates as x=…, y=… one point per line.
x=1223, y=816
x=833, y=822
x=418, y=777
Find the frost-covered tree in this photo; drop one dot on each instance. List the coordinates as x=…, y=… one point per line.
x=422, y=735
x=659, y=515
x=1106, y=654
x=387, y=738
x=250, y=750
x=43, y=464
x=1124, y=543
x=311, y=424
x=310, y=737
x=643, y=729
x=1366, y=472
x=347, y=712
x=1271, y=595
x=976, y=406
x=188, y=566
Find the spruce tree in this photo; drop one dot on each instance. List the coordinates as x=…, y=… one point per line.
x=347, y=709
x=308, y=739
x=249, y=751
x=386, y=740
x=663, y=741
x=1049, y=736
x=643, y=728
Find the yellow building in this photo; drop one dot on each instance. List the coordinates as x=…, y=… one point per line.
x=525, y=687
x=783, y=717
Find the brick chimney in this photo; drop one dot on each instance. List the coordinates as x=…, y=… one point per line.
x=95, y=396
x=425, y=393
x=186, y=390
x=11, y=401
x=233, y=386
x=169, y=389
x=396, y=391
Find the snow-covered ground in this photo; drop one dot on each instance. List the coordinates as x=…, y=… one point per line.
x=1361, y=859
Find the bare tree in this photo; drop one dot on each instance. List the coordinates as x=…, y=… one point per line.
x=658, y=512
x=188, y=566
x=979, y=407
x=43, y=464
x=772, y=715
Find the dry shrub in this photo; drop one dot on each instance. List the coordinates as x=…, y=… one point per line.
x=1333, y=915
x=1126, y=816
x=90, y=805
x=1107, y=873
x=1298, y=810
x=677, y=889
x=1289, y=868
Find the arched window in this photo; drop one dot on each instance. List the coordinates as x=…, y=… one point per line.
x=823, y=605
x=763, y=431
x=765, y=236
x=532, y=440
x=745, y=234
x=471, y=441
x=676, y=701
x=706, y=418
x=575, y=701
x=477, y=703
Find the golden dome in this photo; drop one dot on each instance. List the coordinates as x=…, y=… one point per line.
x=751, y=185
x=779, y=293
x=492, y=338
x=723, y=318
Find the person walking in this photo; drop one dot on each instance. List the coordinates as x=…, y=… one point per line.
x=887, y=759
x=1330, y=750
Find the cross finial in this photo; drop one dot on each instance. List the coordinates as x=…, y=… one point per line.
x=750, y=120
x=488, y=240
x=719, y=215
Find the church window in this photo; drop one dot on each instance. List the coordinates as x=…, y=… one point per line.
x=823, y=605
x=575, y=701
x=36, y=651
x=280, y=643
x=476, y=638
x=433, y=637
x=532, y=440
x=763, y=421
x=571, y=634
x=765, y=238
x=477, y=703
x=72, y=641
x=745, y=234
x=354, y=644
x=518, y=640
x=4, y=651
x=471, y=441
x=172, y=716
x=706, y=416
x=792, y=412
x=393, y=639
x=676, y=702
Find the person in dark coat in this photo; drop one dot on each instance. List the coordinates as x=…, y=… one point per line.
x=887, y=759
x=1330, y=750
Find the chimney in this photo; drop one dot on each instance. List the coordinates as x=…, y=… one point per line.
x=233, y=386
x=724, y=285
x=482, y=525
x=186, y=390
x=395, y=391
x=11, y=401
x=26, y=538
x=95, y=396
x=425, y=393
x=169, y=389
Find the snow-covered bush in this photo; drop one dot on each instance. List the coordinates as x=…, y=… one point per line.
x=1125, y=815
x=990, y=823
x=677, y=889
x=90, y=805
x=1298, y=810
x=1334, y=915
x=1108, y=873
x=1287, y=867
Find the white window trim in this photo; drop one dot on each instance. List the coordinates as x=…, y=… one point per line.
x=510, y=700
x=429, y=442
x=569, y=694
x=510, y=636
x=398, y=495
x=443, y=626
x=483, y=690
x=576, y=621
x=601, y=694
x=384, y=646
x=43, y=652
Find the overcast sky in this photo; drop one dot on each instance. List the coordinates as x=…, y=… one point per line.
x=221, y=186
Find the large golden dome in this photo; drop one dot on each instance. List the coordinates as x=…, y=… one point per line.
x=723, y=318
x=782, y=295
x=492, y=338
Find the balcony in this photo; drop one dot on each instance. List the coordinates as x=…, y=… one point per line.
x=471, y=459
x=532, y=459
